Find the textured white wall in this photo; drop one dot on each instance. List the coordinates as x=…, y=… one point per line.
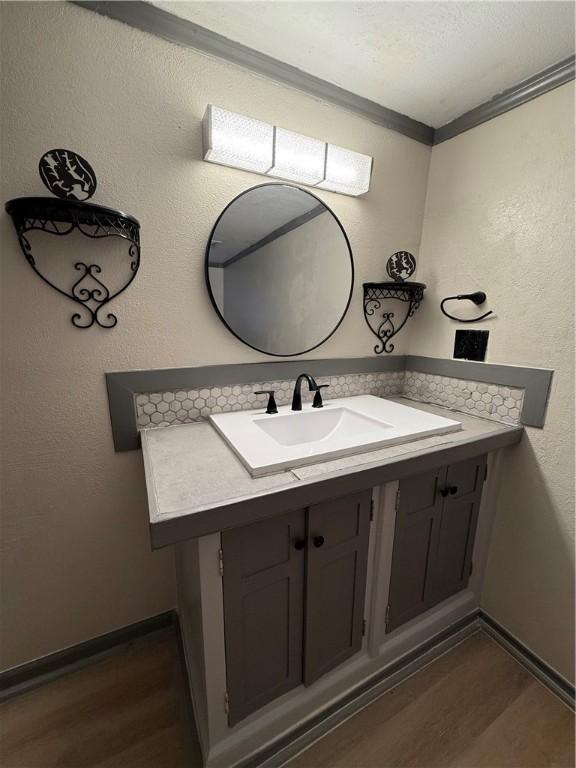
x=500, y=218
x=77, y=560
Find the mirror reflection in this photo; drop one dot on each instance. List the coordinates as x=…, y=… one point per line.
x=279, y=269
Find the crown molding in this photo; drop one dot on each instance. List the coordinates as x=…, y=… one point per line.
x=156, y=21
x=529, y=89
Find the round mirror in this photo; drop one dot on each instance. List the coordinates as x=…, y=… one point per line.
x=279, y=269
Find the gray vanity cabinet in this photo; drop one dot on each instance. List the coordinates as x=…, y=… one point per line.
x=335, y=582
x=434, y=535
x=415, y=543
x=293, y=598
x=453, y=562
x=263, y=611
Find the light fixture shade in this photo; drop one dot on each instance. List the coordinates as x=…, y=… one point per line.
x=237, y=140
x=298, y=158
x=252, y=145
x=347, y=172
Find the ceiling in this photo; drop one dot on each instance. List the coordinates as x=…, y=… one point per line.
x=432, y=61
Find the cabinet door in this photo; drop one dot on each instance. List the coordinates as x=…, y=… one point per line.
x=457, y=529
x=263, y=611
x=415, y=544
x=338, y=533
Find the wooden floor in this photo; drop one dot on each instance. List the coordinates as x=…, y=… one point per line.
x=475, y=707
x=127, y=711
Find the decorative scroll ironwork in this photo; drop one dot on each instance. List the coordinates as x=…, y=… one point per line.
x=374, y=295
x=61, y=217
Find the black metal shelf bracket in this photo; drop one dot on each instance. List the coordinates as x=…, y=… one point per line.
x=382, y=324
x=61, y=217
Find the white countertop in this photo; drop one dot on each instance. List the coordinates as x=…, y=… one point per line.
x=196, y=484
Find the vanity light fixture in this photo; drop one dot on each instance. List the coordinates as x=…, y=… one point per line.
x=252, y=145
x=347, y=172
x=238, y=141
x=298, y=158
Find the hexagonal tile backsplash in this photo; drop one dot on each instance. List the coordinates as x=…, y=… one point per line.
x=492, y=401
x=160, y=409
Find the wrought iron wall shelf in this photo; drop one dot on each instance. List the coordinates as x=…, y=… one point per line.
x=61, y=217
x=382, y=325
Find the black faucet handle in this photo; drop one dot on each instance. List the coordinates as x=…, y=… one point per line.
x=271, y=407
x=318, y=396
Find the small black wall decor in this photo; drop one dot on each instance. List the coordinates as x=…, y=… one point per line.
x=401, y=266
x=90, y=285
x=67, y=174
x=383, y=324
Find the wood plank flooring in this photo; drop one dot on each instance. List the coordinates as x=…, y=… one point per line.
x=126, y=711
x=475, y=707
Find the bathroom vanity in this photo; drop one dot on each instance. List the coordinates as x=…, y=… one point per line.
x=305, y=591
x=325, y=549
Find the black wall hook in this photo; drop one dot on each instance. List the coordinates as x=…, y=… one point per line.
x=479, y=297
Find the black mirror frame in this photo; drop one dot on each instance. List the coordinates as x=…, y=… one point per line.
x=207, y=273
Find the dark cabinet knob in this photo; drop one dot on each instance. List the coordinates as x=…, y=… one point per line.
x=299, y=544
x=451, y=489
x=318, y=541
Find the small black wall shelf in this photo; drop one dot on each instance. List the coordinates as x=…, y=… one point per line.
x=61, y=217
x=374, y=294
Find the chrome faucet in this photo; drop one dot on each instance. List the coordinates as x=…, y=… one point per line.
x=297, y=397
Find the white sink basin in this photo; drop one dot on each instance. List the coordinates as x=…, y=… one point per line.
x=319, y=424
x=272, y=443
